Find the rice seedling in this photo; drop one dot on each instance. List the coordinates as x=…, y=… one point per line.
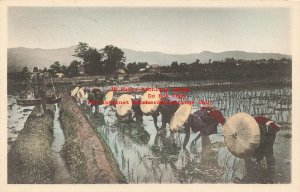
x=274, y=103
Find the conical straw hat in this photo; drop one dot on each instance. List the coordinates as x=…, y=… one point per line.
x=180, y=117
x=81, y=94
x=242, y=135
x=149, y=105
x=124, y=105
x=74, y=91
x=108, y=97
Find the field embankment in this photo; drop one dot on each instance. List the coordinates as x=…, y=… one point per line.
x=87, y=156
x=30, y=159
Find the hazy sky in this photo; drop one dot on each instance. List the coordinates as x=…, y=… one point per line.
x=168, y=30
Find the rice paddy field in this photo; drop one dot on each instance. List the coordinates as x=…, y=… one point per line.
x=147, y=156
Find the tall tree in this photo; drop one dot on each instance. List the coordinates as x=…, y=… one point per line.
x=183, y=67
x=132, y=67
x=73, y=69
x=91, y=59
x=55, y=68
x=93, y=63
x=165, y=69
x=113, y=59
x=174, y=66
x=81, y=50
x=142, y=65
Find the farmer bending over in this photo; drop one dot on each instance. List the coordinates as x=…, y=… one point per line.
x=167, y=108
x=268, y=131
x=204, y=121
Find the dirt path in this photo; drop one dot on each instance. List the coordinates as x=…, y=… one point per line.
x=86, y=154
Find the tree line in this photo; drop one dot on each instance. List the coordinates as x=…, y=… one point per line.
x=229, y=69
x=97, y=62
x=108, y=60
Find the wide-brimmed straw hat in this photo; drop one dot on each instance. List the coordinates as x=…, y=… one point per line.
x=108, y=98
x=80, y=94
x=180, y=117
x=150, y=105
x=74, y=91
x=242, y=135
x=124, y=105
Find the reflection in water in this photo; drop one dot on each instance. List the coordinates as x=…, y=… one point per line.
x=62, y=174
x=17, y=116
x=147, y=156
x=234, y=167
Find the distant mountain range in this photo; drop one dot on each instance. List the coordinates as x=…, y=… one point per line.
x=21, y=57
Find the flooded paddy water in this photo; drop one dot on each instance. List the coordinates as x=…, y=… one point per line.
x=16, y=116
x=147, y=156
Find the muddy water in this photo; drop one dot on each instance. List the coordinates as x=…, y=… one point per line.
x=62, y=174
x=16, y=117
x=147, y=156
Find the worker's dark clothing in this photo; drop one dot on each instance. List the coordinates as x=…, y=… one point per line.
x=167, y=108
x=95, y=98
x=201, y=121
x=38, y=83
x=265, y=148
x=267, y=139
x=136, y=107
x=204, y=121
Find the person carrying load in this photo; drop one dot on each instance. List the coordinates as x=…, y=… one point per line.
x=40, y=89
x=38, y=83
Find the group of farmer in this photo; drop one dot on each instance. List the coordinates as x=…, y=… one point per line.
x=204, y=121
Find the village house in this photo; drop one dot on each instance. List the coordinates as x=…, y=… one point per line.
x=142, y=70
x=261, y=61
x=154, y=68
x=59, y=75
x=120, y=74
x=229, y=60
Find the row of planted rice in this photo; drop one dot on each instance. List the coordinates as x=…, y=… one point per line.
x=274, y=103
